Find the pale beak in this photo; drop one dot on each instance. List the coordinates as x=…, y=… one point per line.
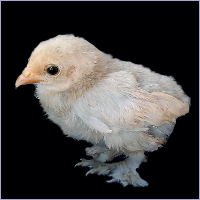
x=26, y=78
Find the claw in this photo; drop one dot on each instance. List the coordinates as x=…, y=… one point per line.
x=124, y=183
x=78, y=164
x=111, y=181
x=92, y=171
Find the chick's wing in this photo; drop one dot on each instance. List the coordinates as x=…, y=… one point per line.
x=123, y=112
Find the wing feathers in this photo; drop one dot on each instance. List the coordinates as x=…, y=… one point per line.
x=124, y=120
x=93, y=122
x=172, y=104
x=155, y=108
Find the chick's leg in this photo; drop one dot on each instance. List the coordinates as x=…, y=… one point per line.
x=125, y=171
x=100, y=154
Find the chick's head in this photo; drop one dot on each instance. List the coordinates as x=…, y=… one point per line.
x=60, y=62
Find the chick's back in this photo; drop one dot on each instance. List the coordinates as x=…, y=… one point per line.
x=153, y=82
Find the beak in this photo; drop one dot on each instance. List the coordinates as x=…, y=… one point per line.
x=26, y=78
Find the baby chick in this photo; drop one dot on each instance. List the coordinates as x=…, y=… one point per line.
x=120, y=107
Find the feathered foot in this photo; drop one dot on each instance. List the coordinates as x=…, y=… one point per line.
x=126, y=174
x=100, y=154
x=97, y=167
x=123, y=172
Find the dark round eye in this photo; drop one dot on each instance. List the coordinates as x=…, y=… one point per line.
x=53, y=70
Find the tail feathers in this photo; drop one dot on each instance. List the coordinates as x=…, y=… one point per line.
x=172, y=105
x=163, y=131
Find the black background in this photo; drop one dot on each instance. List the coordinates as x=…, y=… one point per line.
x=37, y=159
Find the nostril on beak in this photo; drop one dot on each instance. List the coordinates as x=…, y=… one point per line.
x=26, y=74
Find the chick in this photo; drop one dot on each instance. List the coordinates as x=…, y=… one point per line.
x=119, y=107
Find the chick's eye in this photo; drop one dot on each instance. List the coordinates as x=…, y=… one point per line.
x=53, y=70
